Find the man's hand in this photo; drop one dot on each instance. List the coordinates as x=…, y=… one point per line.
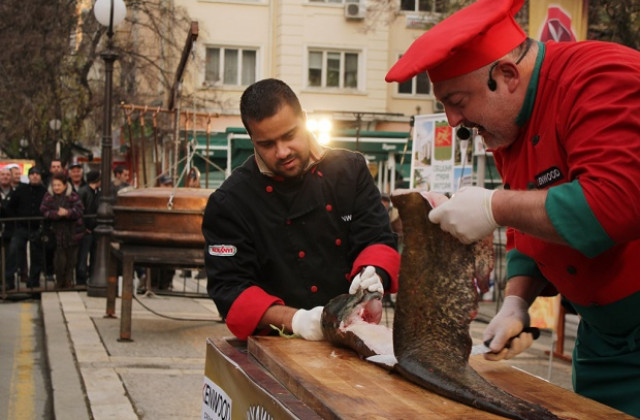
x=307, y=323
x=508, y=322
x=366, y=279
x=467, y=215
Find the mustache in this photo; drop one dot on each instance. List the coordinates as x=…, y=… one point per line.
x=286, y=159
x=470, y=124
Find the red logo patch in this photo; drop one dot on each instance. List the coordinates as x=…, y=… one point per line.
x=222, y=250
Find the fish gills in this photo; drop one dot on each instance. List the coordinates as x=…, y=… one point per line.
x=352, y=321
x=435, y=304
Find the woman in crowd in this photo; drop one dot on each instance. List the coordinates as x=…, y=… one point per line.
x=64, y=208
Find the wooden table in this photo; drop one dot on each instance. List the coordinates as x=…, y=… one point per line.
x=152, y=256
x=335, y=383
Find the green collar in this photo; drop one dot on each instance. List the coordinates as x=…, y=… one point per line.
x=530, y=97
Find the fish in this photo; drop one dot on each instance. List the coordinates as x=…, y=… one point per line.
x=436, y=301
x=353, y=321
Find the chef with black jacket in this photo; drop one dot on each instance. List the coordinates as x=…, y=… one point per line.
x=294, y=226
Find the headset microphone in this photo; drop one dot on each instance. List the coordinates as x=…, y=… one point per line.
x=492, y=84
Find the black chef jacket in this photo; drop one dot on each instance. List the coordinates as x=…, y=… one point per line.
x=293, y=242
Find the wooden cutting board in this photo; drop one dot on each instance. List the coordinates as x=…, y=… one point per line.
x=337, y=384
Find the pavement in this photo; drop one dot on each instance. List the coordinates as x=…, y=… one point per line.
x=159, y=375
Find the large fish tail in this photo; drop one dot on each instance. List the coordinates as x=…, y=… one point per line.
x=470, y=388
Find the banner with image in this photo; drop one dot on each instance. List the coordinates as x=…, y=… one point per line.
x=436, y=158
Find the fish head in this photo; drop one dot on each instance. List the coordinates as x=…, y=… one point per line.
x=346, y=309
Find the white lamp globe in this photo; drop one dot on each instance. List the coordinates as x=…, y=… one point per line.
x=102, y=10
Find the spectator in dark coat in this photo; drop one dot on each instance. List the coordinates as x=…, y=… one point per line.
x=16, y=174
x=90, y=195
x=64, y=208
x=6, y=191
x=76, y=176
x=25, y=202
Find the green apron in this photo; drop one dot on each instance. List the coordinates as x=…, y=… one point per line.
x=606, y=357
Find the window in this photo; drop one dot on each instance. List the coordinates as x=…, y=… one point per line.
x=230, y=66
x=433, y=6
x=335, y=69
x=418, y=85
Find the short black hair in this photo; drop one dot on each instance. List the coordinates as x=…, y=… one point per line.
x=119, y=169
x=93, y=176
x=264, y=98
x=60, y=177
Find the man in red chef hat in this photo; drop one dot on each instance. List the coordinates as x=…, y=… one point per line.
x=562, y=121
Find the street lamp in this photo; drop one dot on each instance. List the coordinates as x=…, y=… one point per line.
x=109, y=13
x=24, y=147
x=55, y=125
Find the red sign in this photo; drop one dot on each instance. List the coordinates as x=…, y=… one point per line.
x=557, y=26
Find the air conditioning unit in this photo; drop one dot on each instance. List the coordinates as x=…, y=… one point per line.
x=438, y=106
x=354, y=9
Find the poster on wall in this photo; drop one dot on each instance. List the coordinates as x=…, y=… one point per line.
x=558, y=20
x=440, y=161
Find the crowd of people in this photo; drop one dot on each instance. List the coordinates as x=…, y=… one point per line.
x=48, y=223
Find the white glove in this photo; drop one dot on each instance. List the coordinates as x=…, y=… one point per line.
x=467, y=215
x=367, y=278
x=307, y=323
x=512, y=317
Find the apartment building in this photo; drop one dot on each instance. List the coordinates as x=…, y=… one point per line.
x=333, y=53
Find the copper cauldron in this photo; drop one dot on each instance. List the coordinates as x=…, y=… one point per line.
x=160, y=216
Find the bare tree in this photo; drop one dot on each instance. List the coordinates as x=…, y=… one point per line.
x=615, y=20
x=608, y=20
x=51, y=69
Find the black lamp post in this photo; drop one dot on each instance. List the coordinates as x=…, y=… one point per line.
x=109, y=13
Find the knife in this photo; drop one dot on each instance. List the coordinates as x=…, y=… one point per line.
x=484, y=347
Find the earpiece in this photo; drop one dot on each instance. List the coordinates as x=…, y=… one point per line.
x=491, y=83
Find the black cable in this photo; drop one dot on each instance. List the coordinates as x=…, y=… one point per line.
x=491, y=83
x=175, y=318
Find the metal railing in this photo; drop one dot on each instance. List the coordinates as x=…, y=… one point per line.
x=23, y=239
x=32, y=235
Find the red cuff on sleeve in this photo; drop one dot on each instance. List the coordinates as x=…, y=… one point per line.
x=247, y=310
x=381, y=256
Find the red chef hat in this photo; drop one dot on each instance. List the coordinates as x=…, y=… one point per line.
x=465, y=41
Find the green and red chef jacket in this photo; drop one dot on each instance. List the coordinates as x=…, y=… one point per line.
x=580, y=140
x=294, y=242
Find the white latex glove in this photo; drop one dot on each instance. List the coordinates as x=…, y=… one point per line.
x=307, y=323
x=467, y=215
x=368, y=279
x=512, y=317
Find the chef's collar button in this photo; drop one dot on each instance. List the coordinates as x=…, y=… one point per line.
x=338, y=242
x=269, y=188
x=329, y=207
x=314, y=289
x=535, y=139
x=301, y=254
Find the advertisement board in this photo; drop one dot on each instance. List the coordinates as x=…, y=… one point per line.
x=235, y=387
x=440, y=161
